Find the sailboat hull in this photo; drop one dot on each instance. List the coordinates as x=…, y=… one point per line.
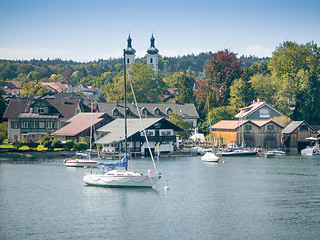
x=120, y=179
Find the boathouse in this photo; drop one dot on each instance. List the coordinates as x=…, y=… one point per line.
x=295, y=135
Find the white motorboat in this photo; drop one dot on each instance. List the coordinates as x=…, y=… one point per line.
x=210, y=157
x=310, y=151
x=239, y=151
x=116, y=174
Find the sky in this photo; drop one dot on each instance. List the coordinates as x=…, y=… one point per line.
x=87, y=30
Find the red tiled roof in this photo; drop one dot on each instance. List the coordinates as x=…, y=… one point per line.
x=79, y=123
x=55, y=85
x=247, y=110
x=227, y=124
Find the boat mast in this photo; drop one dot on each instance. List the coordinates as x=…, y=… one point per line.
x=91, y=122
x=125, y=102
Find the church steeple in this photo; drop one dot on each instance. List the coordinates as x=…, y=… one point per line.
x=152, y=56
x=129, y=52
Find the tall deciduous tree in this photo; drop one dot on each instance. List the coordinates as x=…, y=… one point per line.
x=148, y=85
x=297, y=68
x=185, y=88
x=222, y=69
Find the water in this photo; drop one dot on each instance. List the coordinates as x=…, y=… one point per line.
x=243, y=198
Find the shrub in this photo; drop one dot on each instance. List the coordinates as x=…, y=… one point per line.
x=68, y=145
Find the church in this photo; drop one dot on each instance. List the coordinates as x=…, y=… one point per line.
x=152, y=54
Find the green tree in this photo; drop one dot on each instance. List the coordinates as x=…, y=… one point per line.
x=3, y=131
x=178, y=120
x=185, y=88
x=297, y=68
x=34, y=89
x=148, y=85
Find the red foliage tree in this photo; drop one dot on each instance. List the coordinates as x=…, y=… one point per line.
x=222, y=69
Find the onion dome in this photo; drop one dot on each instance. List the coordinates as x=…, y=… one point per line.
x=152, y=49
x=129, y=50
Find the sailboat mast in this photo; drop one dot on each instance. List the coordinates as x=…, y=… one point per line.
x=91, y=122
x=125, y=102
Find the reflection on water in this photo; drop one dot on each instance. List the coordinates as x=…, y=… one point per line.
x=242, y=198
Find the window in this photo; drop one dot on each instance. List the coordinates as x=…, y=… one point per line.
x=151, y=60
x=264, y=113
x=115, y=112
x=304, y=128
x=41, y=110
x=156, y=111
x=169, y=110
x=41, y=125
x=128, y=60
x=270, y=127
x=25, y=125
x=248, y=127
x=34, y=125
x=144, y=111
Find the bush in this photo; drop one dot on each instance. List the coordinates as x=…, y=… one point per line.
x=57, y=144
x=48, y=144
x=68, y=145
x=44, y=138
x=81, y=146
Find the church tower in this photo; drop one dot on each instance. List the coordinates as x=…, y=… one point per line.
x=152, y=56
x=129, y=53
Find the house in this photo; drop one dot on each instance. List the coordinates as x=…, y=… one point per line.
x=160, y=134
x=79, y=126
x=151, y=110
x=88, y=91
x=251, y=133
x=30, y=119
x=295, y=134
x=258, y=111
x=12, y=88
x=55, y=86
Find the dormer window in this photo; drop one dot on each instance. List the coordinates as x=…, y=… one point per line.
x=156, y=111
x=41, y=110
x=169, y=110
x=115, y=112
x=144, y=111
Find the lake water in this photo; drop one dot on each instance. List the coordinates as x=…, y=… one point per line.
x=243, y=198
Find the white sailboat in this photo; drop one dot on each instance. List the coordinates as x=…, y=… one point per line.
x=116, y=174
x=210, y=156
x=83, y=159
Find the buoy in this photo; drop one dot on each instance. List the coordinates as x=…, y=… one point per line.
x=223, y=162
x=166, y=188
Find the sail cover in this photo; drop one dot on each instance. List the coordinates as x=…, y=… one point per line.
x=83, y=154
x=122, y=163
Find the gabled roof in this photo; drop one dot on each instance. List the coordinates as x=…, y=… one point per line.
x=187, y=110
x=115, y=129
x=246, y=111
x=57, y=86
x=226, y=124
x=67, y=108
x=79, y=123
x=234, y=124
x=15, y=107
x=294, y=125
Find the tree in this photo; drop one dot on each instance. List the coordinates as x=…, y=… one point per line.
x=177, y=119
x=185, y=88
x=3, y=131
x=297, y=68
x=148, y=85
x=222, y=69
x=34, y=89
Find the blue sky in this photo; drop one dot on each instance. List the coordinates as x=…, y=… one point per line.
x=85, y=30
